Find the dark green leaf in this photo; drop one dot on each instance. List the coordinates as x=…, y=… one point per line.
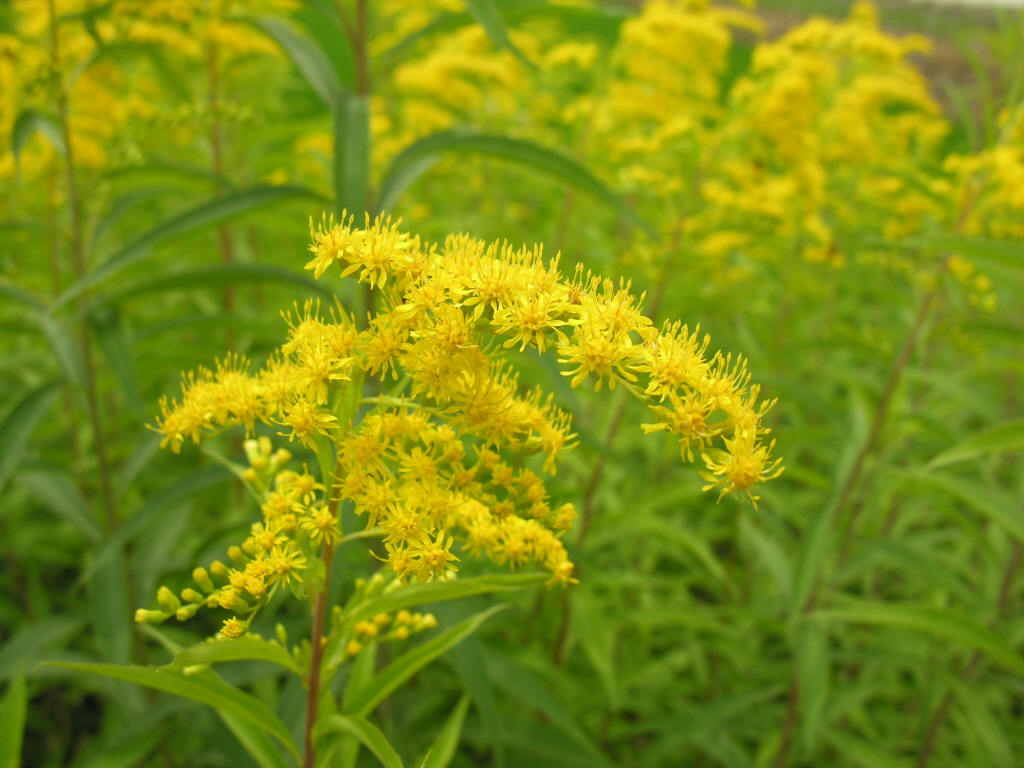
x=58, y=492
x=408, y=664
x=31, y=643
x=1008, y=436
x=254, y=740
x=524, y=153
x=110, y=333
x=313, y=64
x=213, y=211
x=367, y=733
x=219, y=695
x=12, y=721
x=17, y=429
x=27, y=123
x=443, y=749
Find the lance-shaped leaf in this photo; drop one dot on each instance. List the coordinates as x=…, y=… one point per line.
x=489, y=17
x=21, y=422
x=205, y=690
x=242, y=649
x=943, y=624
x=443, y=749
x=1008, y=436
x=27, y=123
x=534, y=156
x=211, y=212
x=352, y=154
x=313, y=64
x=368, y=734
x=108, y=326
x=405, y=666
x=13, y=709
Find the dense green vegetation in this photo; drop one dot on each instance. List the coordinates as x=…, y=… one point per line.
x=828, y=204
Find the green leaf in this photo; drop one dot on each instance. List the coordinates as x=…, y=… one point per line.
x=539, y=158
x=467, y=658
x=814, y=672
x=243, y=648
x=64, y=347
x=982, y=497
x=31, y=643
x=151, y=509
x=443, y=749
x=487, y=15
x=219, y=695
x=864, y=753
x=352, y=155
x=596, y=635
x=213, y=211
x=20, y=424
x=367, y=733
x=775, y=559
x=309, y=58
x=12, y=721
x=417, y=594
x=58, y=492
x=405, y=666
x=27, y=123
x=934, y=622
x=984, y=725
x=1008, y=436
x=110, y=333
x=216, y=276
x=255, y=741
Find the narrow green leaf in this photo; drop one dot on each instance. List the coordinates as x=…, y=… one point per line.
x=12, y=721
x=467, y=658
x=255, y=741
x=487, y=15
x=313, y=64
x=443, y=749
x=243, y=648
x=215, y=276
x=20, y=424
x=153, y=507
x=401, y=178
x=934, y=622
x=595, y=635
x=984, y=724
x=408, y=664
x=28, y=645
x=814, y=672
x=219, y=695
x=213, y=211
x=864, y=753
x=64, y=347
x=981, y=497
x=109, y=329
x=367, y=733
x=417, y=594
x=58, y=492
x=775, y=559
x=22, y=295
x=127, y=753
x=27, y=123
x=352, y=155
x=1008, y=436
x=525, y=153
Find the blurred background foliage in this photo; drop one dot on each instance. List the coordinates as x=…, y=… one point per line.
x=836, y=197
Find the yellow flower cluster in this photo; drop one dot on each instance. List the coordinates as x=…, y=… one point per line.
x=428, y=461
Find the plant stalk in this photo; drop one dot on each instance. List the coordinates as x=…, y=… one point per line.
x=316, y=656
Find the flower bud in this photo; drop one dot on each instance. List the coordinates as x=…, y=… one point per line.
x=236, y=554
x=402, y=633
x=142, y=616
x=282, y=635
x=167, y=599
x=252, y=448
x=258, y=464
x=381, y=619
x=189, y=595
x=353, y=647
x=427, y=622
x=282, y=456
x=186, y=612
x=266, y=447
x=250, y=476
x=249, y=547
x=202, y=578
x=217, y=568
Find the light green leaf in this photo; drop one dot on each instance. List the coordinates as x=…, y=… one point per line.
x=58, y=492
x=17, y=429
x=27, y=123
x=814, y=672
x=986, y=726
x=12, y=721
x=864, y=753
x=352, y=155
x=443, y=749
x=934, y=622
x=453, y=589
x=595, y=635
x=214, y=651
x=367, y=733
x=408, y=664
x=219, y=695
x=775, y=559
x=487, y=15
x=525, y=153
x=213, y=211
x=216, y=276
x=1008, y=436
x=313, y=64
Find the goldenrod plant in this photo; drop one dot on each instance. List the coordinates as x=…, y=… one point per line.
x=467, y=503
